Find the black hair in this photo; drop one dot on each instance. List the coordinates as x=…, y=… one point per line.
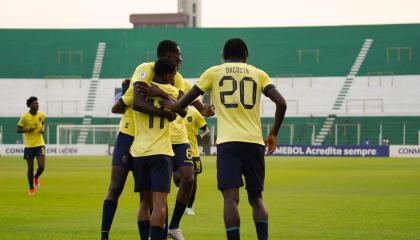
x=30, y=101
x=166, y=47
x=164, y=66
x=235, y=48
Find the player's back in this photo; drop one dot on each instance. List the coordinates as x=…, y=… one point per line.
x=236, y=89
x=152, y=134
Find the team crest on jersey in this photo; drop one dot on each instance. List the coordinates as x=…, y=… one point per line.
x=142, y=74
x=39, y=118
x=189, y=119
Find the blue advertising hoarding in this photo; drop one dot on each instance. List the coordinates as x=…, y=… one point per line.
x=332, y=151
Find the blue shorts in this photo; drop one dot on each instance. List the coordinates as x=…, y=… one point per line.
x=183, y=156
x=152, y=173
x=235, y=159
x=198, y=167
x=32, y=152
x=121, y=155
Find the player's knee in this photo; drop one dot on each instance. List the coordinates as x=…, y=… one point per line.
x=177, y=179
x=187, y=179
x=30, y=169
x=114, y=192
x=254, y=198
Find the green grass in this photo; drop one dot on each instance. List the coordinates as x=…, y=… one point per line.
x=307, y=198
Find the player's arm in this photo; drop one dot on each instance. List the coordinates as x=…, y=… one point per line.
x=271, y=92
x=21, y=129
x=118, y=107
x=204, y=131
x=186, y=100
x=119, y=104
x=204, y=109
x=140, y=104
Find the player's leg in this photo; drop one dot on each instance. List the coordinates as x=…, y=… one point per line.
x=190, y=210
x=121, y=165
x=29, y=156
x=197, y=170
x=40, y=157
x=259, y=213
x=116, y=186
x=254, y=173
x=231, y=213
x=143, y=215
x=185, y=168
x=157, y=220
x=160, y=177
x=229, y=180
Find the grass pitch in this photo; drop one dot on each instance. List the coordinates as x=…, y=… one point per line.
x=307, y=198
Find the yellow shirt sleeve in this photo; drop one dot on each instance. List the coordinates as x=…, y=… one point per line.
x=22, y=121
x=205, y=81
x=128, y=98
x=265, y=80
x=199, y=120
x=179, y=81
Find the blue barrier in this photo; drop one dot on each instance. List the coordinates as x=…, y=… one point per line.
x=332, y=151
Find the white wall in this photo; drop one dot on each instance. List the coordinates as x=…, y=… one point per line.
x=397, y=95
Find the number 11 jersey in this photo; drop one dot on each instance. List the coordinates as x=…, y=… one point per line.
x=235, y=89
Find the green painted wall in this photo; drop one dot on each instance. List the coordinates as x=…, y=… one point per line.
x=36, y=53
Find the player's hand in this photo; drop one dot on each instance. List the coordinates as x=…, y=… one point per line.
x=29, y=130
x=167, y=103
x=141, y=87
x=124, y=85
x=208, y=111
x=171, y=116
x=270, y=144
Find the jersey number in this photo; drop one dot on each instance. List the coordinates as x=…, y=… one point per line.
x=242, y=91
x=152, y=118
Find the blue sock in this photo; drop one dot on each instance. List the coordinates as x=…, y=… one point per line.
x=177, y=215
x=144, y=228
x=108, y=213
x=262, y=230
x=233, y=233
x=155, y=233
x=165, y=227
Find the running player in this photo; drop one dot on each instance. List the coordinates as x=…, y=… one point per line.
x=235, y=88
x=194, y=121
x=31, y=124
x=152, y=150
x=121, y=159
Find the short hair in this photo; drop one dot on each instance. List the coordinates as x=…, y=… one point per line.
x=164, y=66
x=166, y=47
x=235, y=48
x=30, y=101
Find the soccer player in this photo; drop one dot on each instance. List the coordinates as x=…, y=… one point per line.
x=195, y=121
x=235, y=88
x=121, y=159
x=182, y=163
x=152, y=150
x=31, y=124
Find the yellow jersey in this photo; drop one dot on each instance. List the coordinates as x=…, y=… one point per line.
x=152, y=133
x=193, y=122
x=126, y=122
x=35, y=138
x=145, y=73
x=235, y=89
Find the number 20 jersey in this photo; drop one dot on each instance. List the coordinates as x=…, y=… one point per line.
x=235, y=89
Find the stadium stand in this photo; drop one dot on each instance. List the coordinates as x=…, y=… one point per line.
x=310, y=65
